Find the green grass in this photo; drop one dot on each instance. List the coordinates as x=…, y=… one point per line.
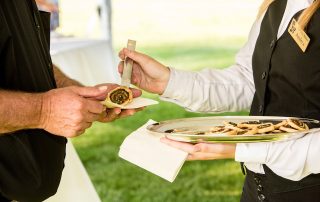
x=117, y=180
x=195, y=55
x=185, y=34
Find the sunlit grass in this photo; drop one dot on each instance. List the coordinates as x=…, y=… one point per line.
x=118, y=180
x=185, y=34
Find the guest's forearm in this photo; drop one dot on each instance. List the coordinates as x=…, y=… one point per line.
x=63, y=80
x=19, y=111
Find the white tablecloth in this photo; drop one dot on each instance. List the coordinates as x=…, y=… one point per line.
x=75, y=185
x=90, y=62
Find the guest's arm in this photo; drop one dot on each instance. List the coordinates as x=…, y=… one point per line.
x=63, y=80
x=44, y=4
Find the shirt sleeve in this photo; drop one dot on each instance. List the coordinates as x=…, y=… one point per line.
x=286, y=159
x=214, y=90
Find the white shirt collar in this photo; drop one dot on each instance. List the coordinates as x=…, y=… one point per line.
x=293, y=6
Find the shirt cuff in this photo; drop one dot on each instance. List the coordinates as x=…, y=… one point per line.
x=175, y=82
x=252, y=152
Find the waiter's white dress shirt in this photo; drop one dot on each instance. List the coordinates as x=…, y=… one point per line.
x=232, y=89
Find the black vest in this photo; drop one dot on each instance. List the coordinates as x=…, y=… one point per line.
x=287, y=81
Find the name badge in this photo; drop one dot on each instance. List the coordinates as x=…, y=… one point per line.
x=299, y=35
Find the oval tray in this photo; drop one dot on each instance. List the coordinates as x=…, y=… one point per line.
x=204, y=123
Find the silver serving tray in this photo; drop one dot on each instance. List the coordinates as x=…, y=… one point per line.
x=204, y=123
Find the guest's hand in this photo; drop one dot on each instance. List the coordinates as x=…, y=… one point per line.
x=204, y=151
x=147, y=73
x=70, y=111
x=50, y=7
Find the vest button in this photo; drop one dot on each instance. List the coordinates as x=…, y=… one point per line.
x=260, y=188
x=264, y=74
x=257, y=180
x=273, y=42
x=261, y=108
x=261, y=197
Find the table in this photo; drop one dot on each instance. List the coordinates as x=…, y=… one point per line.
x=75, y=185
x=90, y=62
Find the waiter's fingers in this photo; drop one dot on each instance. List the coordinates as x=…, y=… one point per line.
x=120, y=67
x=121, y=55
x=204, y=156
x=136, y=92
x=189, y=148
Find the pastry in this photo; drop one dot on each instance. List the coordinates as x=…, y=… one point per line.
x=228, y=123
x=251, y=131
x=232, y=126
x=217, y=129
x=248, y=124
x=265, y=128
x=288, y=128
x=282, y=123
x=296, y=124
x=118, y=97
x=246, y=128
x=229, y=131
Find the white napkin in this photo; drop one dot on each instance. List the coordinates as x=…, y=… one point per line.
x=140, y=102
x=146, y=151
x=136, y=103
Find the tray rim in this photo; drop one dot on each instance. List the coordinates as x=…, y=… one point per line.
x=232, y=139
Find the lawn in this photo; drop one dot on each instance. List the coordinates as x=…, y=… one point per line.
x=118, y=180
x=203, y=46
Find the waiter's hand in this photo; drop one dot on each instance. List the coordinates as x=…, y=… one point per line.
x=204, y=151
x=109, y=115
x=69, y=111
x=147, y=73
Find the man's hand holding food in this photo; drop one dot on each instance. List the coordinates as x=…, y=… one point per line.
x=71, y=110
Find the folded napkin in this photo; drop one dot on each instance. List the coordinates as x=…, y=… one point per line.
x=136, y=103
x=146, y=151
x=140, y=102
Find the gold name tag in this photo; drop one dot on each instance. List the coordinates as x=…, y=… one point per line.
x=298, y=34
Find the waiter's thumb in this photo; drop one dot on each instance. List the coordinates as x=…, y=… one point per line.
x=136, y=56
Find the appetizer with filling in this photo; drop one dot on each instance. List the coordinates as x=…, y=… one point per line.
x=248, y=128
x=118, y=97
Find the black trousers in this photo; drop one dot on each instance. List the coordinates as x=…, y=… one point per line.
x=270, y=187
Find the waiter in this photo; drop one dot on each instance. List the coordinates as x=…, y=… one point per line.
x=276, y=73
x=39, y=106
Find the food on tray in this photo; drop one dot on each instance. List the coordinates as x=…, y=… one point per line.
x=248, y=124
x=265, y=128
x=247, y=128
x=299, y=125
x=120, y=96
